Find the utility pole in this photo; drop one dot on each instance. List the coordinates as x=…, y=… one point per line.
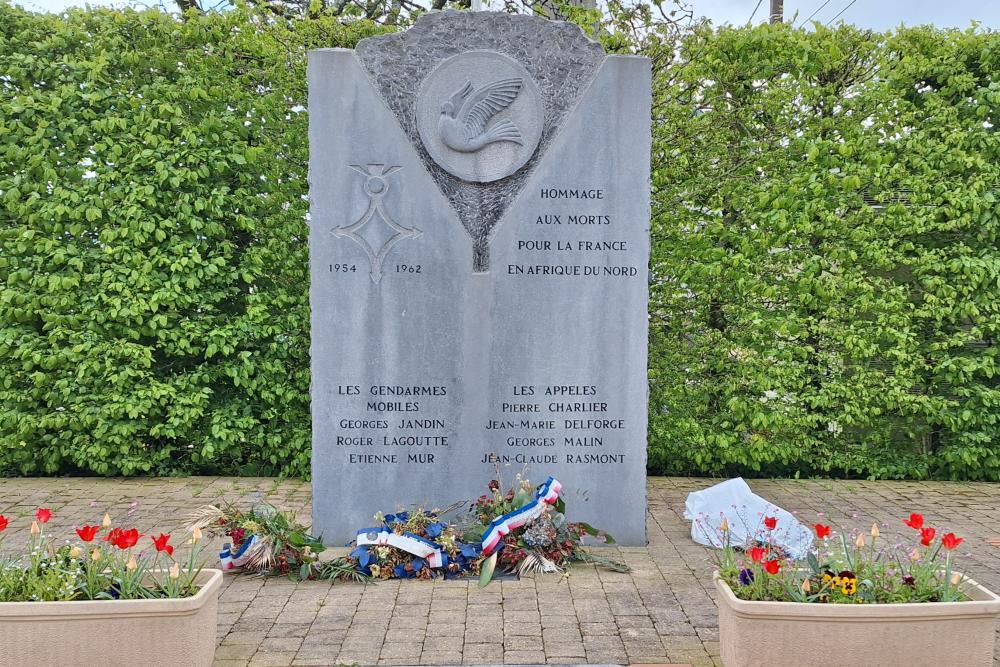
x=777, y=10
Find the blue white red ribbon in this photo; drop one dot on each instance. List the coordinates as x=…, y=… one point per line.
x=230, y=560
x=546, y=494
x=408, y=542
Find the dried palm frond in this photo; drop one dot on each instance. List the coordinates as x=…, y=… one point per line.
x=534, y=563
x=260, y=556
x=341, y=569
x=204, y=517
x=582, y=556
x=451, y=508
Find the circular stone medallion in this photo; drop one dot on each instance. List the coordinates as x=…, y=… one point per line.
x=479, y=115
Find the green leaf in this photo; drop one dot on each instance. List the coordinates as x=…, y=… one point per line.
x=813, y=563
x=486, y=570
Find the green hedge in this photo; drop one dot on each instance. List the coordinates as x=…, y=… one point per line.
x=825, y=247
x=153, y=260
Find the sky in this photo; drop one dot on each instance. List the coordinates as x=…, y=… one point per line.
x=876, y=14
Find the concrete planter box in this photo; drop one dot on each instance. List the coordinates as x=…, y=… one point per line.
x=177, y=631
x=956, y=634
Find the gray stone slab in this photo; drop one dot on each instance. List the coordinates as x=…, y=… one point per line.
x=428, y=373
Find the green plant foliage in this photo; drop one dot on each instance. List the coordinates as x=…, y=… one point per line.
x=826, y=296
x=825, y=265
x=153, y=259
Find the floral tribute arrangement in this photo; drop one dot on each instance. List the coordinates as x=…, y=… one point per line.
x=120, y=564
x=414, y=544
x=521, y=529
x=268, y=541
x=524, y=530
x=856, y=568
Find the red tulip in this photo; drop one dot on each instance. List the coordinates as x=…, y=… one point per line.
x=822, y=531
x=916, y=521
x=3, y=523
x=927, y=536
x=161, y=544
x=123, y=539
x=87, y=533
x=949, y=541
x=757, y=554
x=772, y=566
x=128, y=539
x=770, y=522
x=43, y=515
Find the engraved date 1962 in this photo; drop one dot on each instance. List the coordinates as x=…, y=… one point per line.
x=408, y=268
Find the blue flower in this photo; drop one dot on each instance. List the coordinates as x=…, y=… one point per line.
x=746, y=577
x=403, y=517
x=470, y=550
x=365, y=559
x=435, y=529
x=418, y=564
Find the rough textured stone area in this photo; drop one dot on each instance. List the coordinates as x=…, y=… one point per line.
x=660, y=613
x=558, y=55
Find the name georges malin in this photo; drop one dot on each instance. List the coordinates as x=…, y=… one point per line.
x=479, y=248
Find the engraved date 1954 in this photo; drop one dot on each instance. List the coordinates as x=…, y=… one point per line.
x=343, y=268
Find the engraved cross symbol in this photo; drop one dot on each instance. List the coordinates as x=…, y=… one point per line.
x=375, y=187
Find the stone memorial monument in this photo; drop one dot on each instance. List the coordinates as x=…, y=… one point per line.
x=479, y=248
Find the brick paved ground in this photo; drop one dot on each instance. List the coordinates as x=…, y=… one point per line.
x=663, y=611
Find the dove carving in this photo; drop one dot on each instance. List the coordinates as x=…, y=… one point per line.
x=466, y=116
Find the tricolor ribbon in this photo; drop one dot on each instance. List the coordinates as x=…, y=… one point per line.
x=546, y=494
x=408, y=542
x=230, y=560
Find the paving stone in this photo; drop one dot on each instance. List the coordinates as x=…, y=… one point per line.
x=522, y=629
x=272, y=659
x=565, y=649
x=441, y=658
x=288, y=630
x=245, y=637
x=521, y=643
x=235, y=651
x=482, y=653
x=662, y=611
x=523, y=657
x=281, y=644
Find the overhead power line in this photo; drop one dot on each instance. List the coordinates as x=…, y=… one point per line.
x=841, y=11
x=749, y=20
x=817, y=11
